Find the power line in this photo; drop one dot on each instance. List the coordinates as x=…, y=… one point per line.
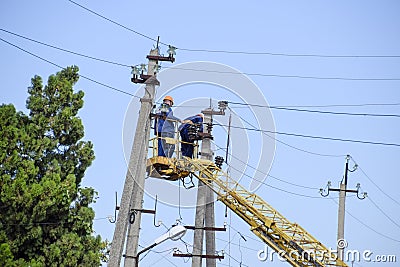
x=288, y=145
x=312, y=136
x=286, y=54
x=124, y=92
x=274, y=187
x=319, y=111
x=372, y=181
x=273, y=177
x=246, y=104
x=224, y=72
x=287, y=76
x=381, y=210
x=325, y=106
x=65, y=50
x=369, y=227
x=240, y=263
x=114, y=22
x=46, y=223
x=54, y=64
x=230, y=51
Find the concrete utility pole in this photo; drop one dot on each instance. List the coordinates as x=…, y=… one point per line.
x=132, y=195
x=205, y=203
x=341, y=211
x=341, y=242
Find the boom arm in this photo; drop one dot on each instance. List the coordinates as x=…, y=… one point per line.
x=290, y=240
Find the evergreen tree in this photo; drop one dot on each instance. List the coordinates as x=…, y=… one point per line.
x=45, y=216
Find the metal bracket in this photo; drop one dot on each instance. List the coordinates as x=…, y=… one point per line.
x=206, y=228
x=183, y=255
x=206, y=154
x=111, y=219
x=133, y=212
x=161, y=58
x=146, y=100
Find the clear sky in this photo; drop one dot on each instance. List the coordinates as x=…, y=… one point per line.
x=317, y=56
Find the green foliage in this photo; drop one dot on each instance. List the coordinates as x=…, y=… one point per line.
x=45, y=216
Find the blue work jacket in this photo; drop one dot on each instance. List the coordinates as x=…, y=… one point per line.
x=165, y=126
x=195, y=119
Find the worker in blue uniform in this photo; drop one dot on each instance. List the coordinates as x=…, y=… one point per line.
x=164, y=127
x=190, y=130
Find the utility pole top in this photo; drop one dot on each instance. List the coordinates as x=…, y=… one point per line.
x=342, y=203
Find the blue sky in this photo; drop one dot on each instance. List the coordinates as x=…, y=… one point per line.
x=286, y=27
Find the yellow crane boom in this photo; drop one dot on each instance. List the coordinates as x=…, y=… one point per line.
x=290, y=240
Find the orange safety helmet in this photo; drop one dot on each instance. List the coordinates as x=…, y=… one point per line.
x=169, y=98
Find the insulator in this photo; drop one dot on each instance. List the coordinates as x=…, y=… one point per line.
x=171, y=51
x=192, y=132
x=209, y=127
x=222, y=105
x=164, y=108
x=219, y=161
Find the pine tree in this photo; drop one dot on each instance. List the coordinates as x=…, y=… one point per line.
x=45, y=215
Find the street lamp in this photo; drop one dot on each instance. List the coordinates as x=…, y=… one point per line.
x=175, y=233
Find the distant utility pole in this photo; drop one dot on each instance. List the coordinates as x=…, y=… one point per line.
x=205, y=201
x=341, y=242
x=132, y=196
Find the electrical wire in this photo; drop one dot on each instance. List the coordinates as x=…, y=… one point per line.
x=249, y=74
x=266, y=174
x=84, y=77
x=274, y=187
x=230, y=51
x=114, y=22
x=367, y=226
x=68, y=51
x=322, y=106
x=240, y=263
x=250, y=237
x=46, y=223
x=286, y=76
x=381, y=210
x=286, y=144
x=313, y=136
x=319, y=111
x=179, y=198
x=236, y=244
x=287, y=54
x=164, y=257
x=372, y=181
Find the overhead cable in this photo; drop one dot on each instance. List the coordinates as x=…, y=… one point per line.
x=369, y=227
x=384, y=213
x=266, y=174
x=221, y=72
x=230, y=51
x=313, y=136
x=54, y=64
x=288, y=145
x=372, y=181
x=287, y=76
x=319, y=111
x=65, y=50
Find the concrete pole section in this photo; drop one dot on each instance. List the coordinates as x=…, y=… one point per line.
x=132, y=194
x=341, y=212
x=204, y=208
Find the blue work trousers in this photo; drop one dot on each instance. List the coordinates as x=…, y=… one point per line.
x=165, y=149
x=187, y=145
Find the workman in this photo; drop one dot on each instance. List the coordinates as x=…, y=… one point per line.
x=190, y=130
x=164, y=127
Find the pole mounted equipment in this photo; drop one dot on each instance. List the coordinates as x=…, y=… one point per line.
x=342, y=202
